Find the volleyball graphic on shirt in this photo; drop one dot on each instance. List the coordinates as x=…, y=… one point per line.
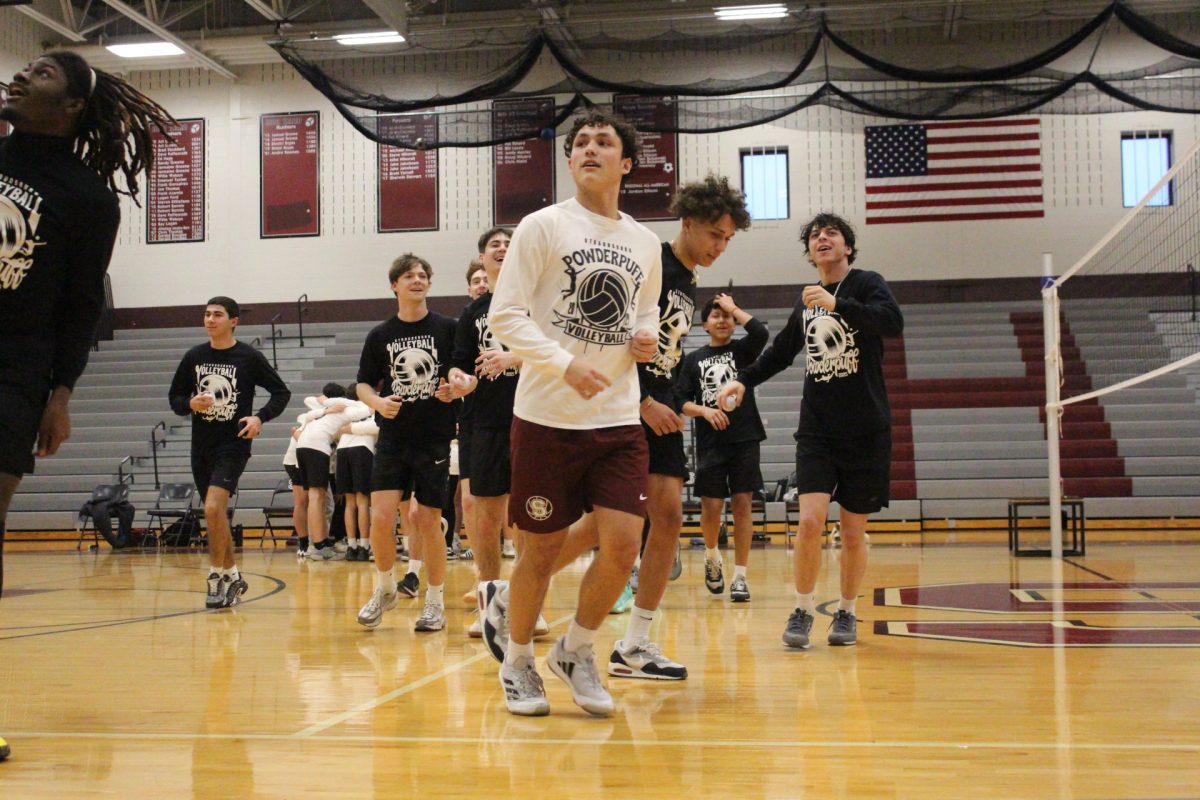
x=830, y=348
x=603, y=299
x=17, y=240
x=673, y=324
x=224, y=394
x=716, y=372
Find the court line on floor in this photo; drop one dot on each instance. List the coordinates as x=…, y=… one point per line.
x=770, y=744
x=403, y=690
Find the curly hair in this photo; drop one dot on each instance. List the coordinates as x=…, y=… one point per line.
x=596, y=118
x=709, y=200
x=113, y=133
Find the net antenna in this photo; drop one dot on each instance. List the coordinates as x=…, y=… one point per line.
x=1140, y=278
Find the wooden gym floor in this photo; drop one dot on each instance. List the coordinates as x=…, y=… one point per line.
x=976, y=675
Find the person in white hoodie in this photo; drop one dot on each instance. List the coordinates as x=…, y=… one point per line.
x=577, y=301
x=314, y=448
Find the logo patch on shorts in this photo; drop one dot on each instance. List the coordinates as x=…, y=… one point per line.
x=539, y=508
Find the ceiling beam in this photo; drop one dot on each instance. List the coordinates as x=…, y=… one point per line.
x=266, y=10
x=167, y=36
x=393, y=13
x=51, y=23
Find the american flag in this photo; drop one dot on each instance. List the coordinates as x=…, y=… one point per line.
x=948, y=171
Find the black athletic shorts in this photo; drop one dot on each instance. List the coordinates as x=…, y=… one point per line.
x=354, y=469
x=221, y=466
x=419, y=468
x=21, y=409
x=314, y=468
x=856, y=471
x=490, y=468
x=728, y=470
x=666, y=454
x=293, y=473
x=464, y=451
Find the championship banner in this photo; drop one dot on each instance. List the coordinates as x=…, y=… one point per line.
x=408, y=179
x=175, y=198
x=648, y=190
x=523, y=172
x=290, y=169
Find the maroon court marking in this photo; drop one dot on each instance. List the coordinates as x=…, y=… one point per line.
x=1025, y=598
x=1072, y=633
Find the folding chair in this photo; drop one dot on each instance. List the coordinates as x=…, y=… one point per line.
x=280, y=506
x=112, y=493
x=174, y=502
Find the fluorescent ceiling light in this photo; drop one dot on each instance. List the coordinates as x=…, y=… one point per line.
x=144, y=49
x=376, y=37
x=765, y=11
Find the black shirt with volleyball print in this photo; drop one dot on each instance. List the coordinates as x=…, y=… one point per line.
x=676, y=307
x=844, y=391
x=492, y=400
x=705, y=370
x=408, y=360
x=58, y=222
x=230, y=375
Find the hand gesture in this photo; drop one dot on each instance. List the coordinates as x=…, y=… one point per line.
x=585, y=379
x=734, y=390
x=644, y=344
x=716, y=417
x=725, y=303
x=491, y=364
x=202, y=401
x=815, y=295
x=388, y=407
x=661, y=418
x=249, y=427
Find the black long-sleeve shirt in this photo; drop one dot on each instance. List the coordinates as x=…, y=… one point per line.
x=230, y=375
x=844, y=392
x=705, y=370
x=676, y=306
x=492, y=401
x=58, y=223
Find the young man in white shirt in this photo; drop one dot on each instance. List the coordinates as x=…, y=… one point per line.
x=577, y=302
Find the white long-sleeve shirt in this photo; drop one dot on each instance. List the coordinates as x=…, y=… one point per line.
x=319, y=433
x=577, y=284
x=315, y=409
x=364, y=433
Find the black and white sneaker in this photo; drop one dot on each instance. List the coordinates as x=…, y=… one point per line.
x=739, y=591
x=643, y=660
x=410, y=585
x=215, y=597
x=234, y=589
x=493, y=617
x=714, y=576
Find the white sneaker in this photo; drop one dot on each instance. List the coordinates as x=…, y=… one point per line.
x=508, y=549
x=643, y=660
x=493, y=618
x=578, y=670
x=541, y=627
x=524, y=692
x=372, y=613
x=433, y=618
x=341, y=545
x=475, y=630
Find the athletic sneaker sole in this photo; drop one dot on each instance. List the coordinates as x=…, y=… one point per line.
x=623, y=670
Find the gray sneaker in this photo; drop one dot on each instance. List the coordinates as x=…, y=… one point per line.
x=433, y=618
x=215, y=595
x=578, y=670
x=677, y=564
x=524, y=692
x=799, y=627
x=633, y=580
x=372, y=613
x=234, y=589
x=739, y=591
x=843, y=631
x=714, y=576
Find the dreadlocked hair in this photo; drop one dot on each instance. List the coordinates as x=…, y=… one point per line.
x=114, y=128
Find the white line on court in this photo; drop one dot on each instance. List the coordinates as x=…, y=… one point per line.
x=767, y=744
x=403, y=690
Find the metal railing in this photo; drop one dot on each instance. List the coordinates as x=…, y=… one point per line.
x=274, y=337
x=301, y=310
x=155, y=443
x=121, y=476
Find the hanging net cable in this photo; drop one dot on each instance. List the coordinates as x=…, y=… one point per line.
x=756, y=75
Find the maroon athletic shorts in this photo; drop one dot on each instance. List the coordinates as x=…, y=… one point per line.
x=560, y=473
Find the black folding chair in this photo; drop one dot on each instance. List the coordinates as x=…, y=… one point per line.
x=280, y=506
x=174, y=502
x=111, y=493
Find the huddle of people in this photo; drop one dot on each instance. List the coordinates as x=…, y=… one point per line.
x=575, y=391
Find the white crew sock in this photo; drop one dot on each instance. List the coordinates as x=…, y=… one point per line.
x=578, y=637
x=386, y=580
x=434, y=595
x=516, y=651
x=414, y=565
x=807, y=602
x=639, y=625
x=739, y=571
x=713, y=554
x=847, y=605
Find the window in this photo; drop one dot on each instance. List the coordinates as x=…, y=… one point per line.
x=1145, y=158
x=765, y=182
